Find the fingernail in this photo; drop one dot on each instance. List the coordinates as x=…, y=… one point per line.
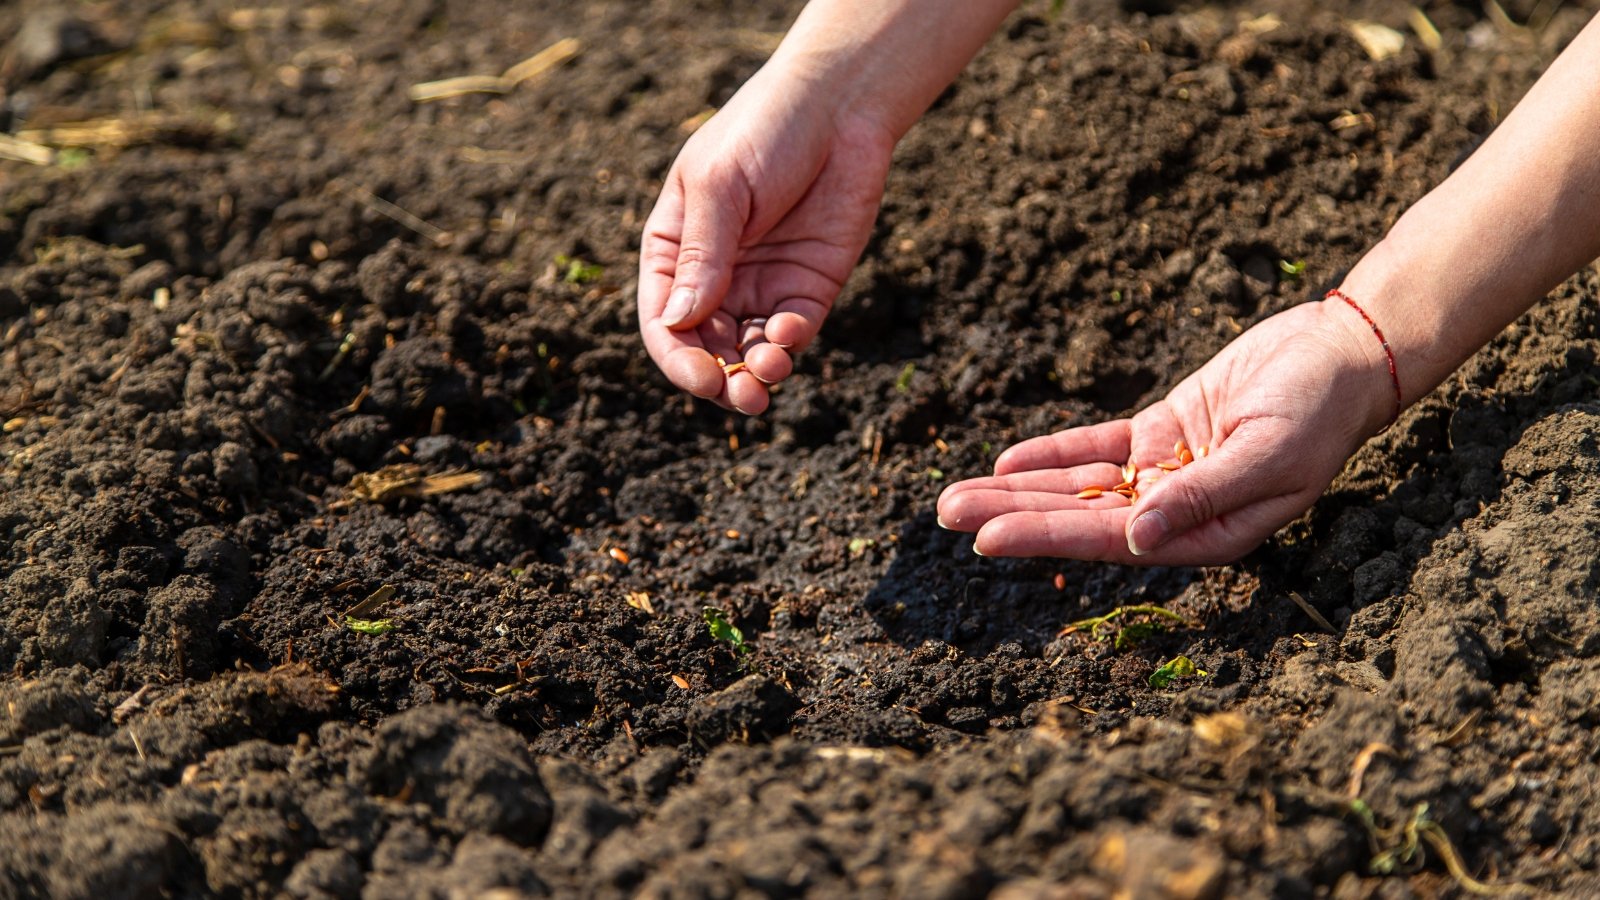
x=1148, y=532
x=679, y=305
x=940, y=521
x=976, y=550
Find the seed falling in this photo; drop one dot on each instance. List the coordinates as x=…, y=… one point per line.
x=1060, y=581
x=619, y=554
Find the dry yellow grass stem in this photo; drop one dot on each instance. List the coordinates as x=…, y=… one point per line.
x=532, y=67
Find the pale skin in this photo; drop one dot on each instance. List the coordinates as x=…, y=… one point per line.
x=768, y=207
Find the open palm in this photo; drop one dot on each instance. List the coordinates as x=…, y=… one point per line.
x=1280, y=410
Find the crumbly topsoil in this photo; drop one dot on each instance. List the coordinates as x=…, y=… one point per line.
x=270, y=272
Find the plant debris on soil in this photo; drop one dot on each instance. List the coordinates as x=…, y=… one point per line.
x=280, y=332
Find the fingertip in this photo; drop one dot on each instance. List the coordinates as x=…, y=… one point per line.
x=693, y=369
x=769, y=364
x=1005, y=463
x=747, y=394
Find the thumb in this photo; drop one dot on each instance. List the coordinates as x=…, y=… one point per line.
x=715, y=213
x=1237, y=474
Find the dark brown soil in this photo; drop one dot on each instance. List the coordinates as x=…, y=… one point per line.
x=206, y=335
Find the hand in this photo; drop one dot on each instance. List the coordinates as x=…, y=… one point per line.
x=1280, y=411
x=761, y=219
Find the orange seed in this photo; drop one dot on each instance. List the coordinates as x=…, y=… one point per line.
x=1089, y=493
x=619, y=554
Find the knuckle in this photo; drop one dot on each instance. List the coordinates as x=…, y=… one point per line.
x=694, y=255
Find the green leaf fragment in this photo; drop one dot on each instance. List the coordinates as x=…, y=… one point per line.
x=723, y=630
x=578, y=271
x=1172, y=670
x=903, y=383
x=369, y=626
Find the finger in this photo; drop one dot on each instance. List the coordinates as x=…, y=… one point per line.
x=1075, y=534
x=747, y=394
x=715, y=212
x=1059, y=481
x=1106, y=442
x=739, y=389
x=683, y=359
x=768, y=363
x=1243, y=473
x=794, y=323
x=971, y=510
x=681, y=356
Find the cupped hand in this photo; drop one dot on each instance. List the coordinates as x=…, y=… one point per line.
x=758, y=225
x=1277, y=412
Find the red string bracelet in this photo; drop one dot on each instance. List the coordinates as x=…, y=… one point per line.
x=1394, y=376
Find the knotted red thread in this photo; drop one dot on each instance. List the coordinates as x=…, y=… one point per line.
x=1394, y=375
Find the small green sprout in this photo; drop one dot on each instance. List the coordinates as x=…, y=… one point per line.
x=1172, y=670
x=903, y=383
x=1294, y=270
x=935, y=474
x=369, y=626
x=577, y=271
x=73, y=157
x=1135, y=634
x=859, y=546
x=1116, y=296
x=723, y=630
x=1100, y=627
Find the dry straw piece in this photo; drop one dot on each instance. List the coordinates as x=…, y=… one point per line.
x=532, y=67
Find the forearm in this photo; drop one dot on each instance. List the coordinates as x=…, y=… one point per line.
x=889, y=60
x=1518, y=217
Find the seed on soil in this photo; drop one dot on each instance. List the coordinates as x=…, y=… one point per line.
x=1089, y=493
x=619, y=554
x=681, y=681
x=640, y=600
x=731, y=534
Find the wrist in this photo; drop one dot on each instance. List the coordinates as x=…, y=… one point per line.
x=1367, y=364
x=884, y=63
